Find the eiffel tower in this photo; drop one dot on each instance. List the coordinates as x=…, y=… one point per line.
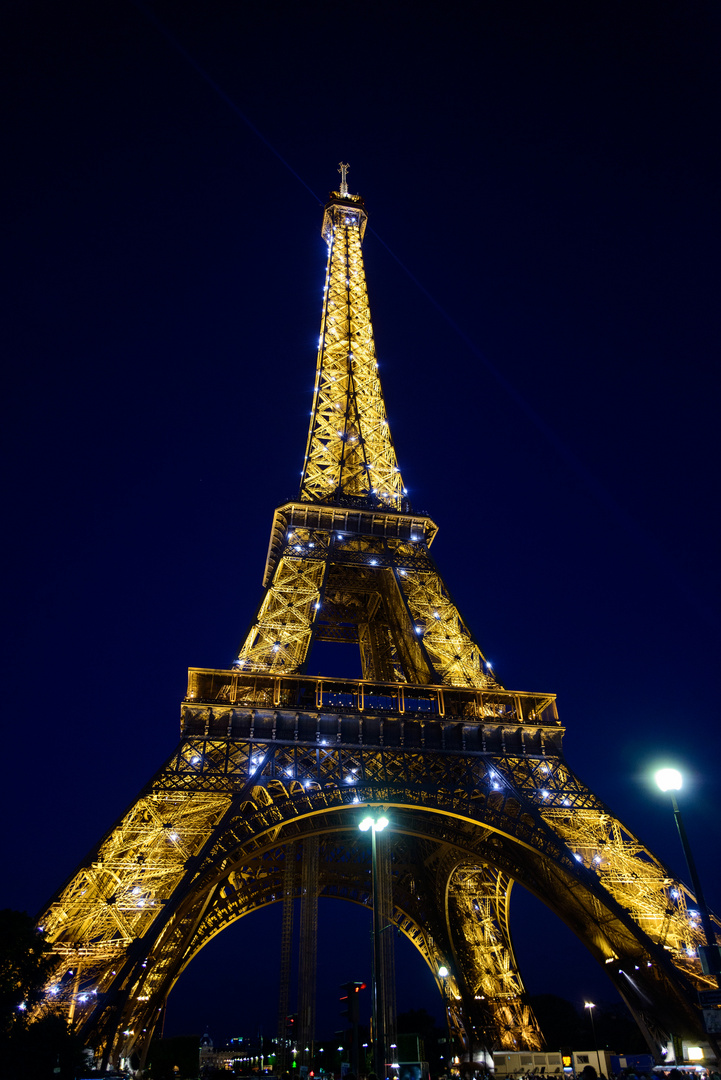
x=274, y=767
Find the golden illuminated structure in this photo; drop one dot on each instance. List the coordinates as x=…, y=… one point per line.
x=272, y=762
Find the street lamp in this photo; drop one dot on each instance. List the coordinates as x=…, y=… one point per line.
x=443, y=973
x=374, y=825
x=591, y=1005
x=670, y=780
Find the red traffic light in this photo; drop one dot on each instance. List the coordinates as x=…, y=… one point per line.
x=352, y=1003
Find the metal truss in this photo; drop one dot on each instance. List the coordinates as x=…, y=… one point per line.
x=349, y=451
x=369, y=587
x=360, y=571
x=486, y=819
x=478, y=903
x=115, y=899
x=281, y=633
x=640, y=883
x=271, y=762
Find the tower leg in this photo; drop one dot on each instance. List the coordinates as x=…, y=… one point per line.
x=478, y=906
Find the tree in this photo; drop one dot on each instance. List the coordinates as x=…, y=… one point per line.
x=617, y=1030
x=420, y=1022
x=180, y=1053
x=25, y=964
x=560, y=1022
x=564, y=1023
x=33, y=1049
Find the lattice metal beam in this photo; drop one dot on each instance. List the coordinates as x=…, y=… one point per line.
x=349, y=452
x=472, y=775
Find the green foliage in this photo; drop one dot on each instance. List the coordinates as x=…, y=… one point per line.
x=42, y=1049
x=420, y=1022
x=165, y=1055
x=559, y=1021
x=25, y=964
x=617, y=1030
x=566, y=1024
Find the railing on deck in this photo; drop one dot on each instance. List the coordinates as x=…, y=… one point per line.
x=212, y=686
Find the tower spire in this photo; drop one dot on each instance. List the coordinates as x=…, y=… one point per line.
x=349, y=562
x=343, y=170
x=350, y=458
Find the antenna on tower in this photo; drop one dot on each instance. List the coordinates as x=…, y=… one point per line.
x=343, y=170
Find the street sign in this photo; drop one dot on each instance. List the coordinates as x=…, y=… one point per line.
x=709, y=997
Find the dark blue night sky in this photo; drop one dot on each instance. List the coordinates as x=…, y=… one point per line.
x=542, y=260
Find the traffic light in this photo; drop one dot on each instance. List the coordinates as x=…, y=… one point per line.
x=350, y=998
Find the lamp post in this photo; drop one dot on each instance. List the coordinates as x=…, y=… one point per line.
x=670, y=780
x=443, y=974
x=375, y=825
x=591, y=1005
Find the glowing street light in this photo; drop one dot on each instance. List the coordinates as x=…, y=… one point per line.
x=591, y=1005
x=710, y=954
x=375, y=824
x=669, y=779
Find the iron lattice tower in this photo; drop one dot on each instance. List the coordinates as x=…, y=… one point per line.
x=472, y=775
